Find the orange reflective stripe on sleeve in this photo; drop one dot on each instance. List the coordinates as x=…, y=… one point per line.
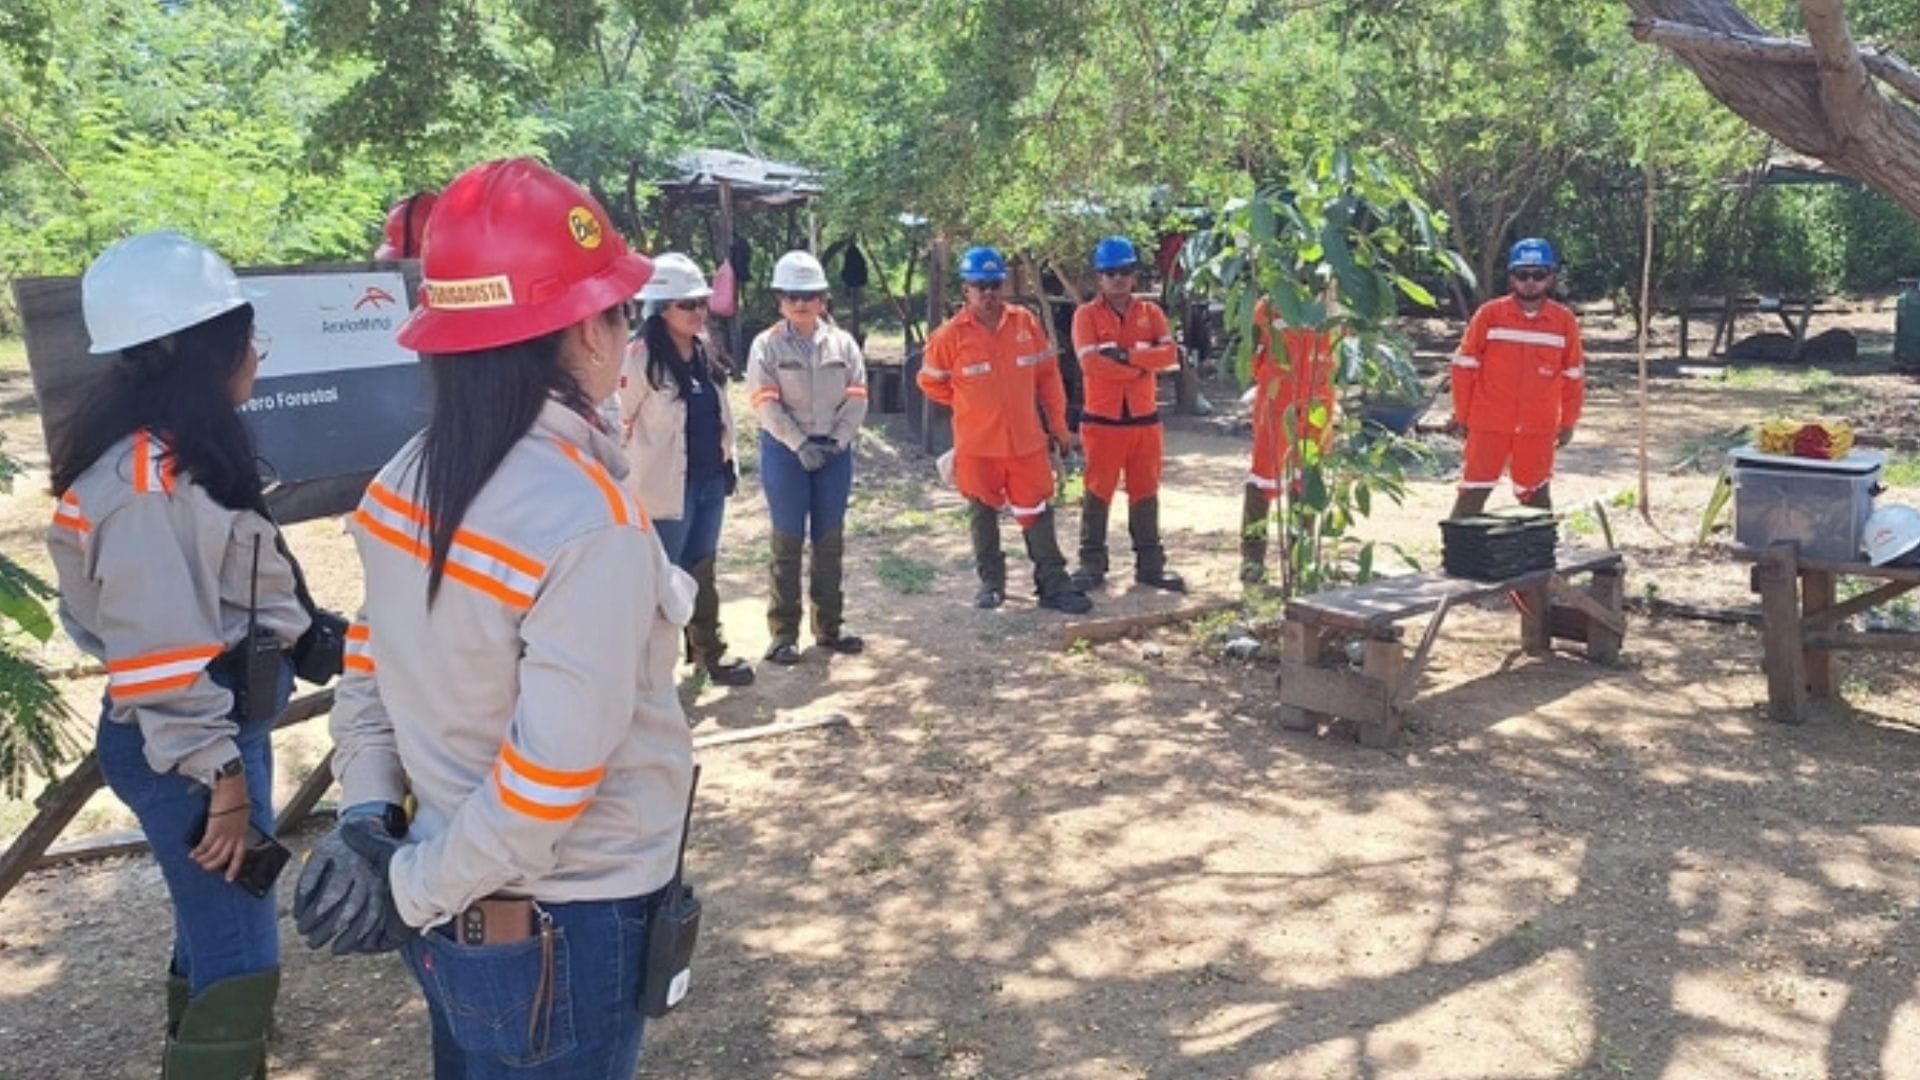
x=764, y=395
x=540, y=792
x=476, y=561
x=358, y=655
x=157, y=672
x=857, y=391
x=67, y=515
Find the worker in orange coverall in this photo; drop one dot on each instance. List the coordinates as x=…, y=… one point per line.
x=992, y=363
x=1122, y=343
x=1519, y=381
x=1292, y=405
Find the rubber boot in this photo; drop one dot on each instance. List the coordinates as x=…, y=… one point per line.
x=783, y=609
x=1092, y=572
x=1541, y=498
x=177, y=992
x=1149, y=555
x=1254, y=510
x=706, y=645
x=222, y=1034
x=1050, y=578
x=983, y=527
x=824, y=593
x=1469, y=503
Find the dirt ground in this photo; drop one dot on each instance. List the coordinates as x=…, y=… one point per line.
x=1020, y=860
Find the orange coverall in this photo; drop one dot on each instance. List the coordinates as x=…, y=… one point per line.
x=1119, y=425
x=993, y=380
x=1518, y=381
x=1280, y=390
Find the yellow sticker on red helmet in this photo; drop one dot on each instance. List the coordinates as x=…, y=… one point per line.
x=586, y=227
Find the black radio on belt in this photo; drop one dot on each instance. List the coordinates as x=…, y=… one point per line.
x=254, y=664
x=672, y=929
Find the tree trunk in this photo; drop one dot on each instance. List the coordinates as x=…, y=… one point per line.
x=1823, y=97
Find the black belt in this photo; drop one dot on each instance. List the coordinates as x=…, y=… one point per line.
x=1148, y=420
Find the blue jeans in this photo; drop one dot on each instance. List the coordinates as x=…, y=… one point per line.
x=800, y=500
x=695, y=534
x=219, y=930
x=480, y=997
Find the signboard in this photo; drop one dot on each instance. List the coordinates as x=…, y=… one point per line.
x=335, y=397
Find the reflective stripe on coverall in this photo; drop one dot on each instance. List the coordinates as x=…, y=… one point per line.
x=993, y=380
x=1290, y=389
x=1120, y=425
x=1518, y=381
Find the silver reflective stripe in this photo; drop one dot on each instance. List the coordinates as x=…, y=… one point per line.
x=1032, y=358
x=1527, y=337
x=980, y=368
x=1576, y=372
x=1461, y=360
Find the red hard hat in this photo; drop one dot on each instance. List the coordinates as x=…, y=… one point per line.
x=515, y=251
x=406, y=225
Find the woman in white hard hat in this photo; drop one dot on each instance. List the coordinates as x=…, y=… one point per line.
x=808, y=385
x=512, y=665
x=170, y=574
x=677, y=430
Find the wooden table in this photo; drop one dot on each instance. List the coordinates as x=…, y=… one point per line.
x=1317, y=683
x=1801, y=617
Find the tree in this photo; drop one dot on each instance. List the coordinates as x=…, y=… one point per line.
x=1825, y=96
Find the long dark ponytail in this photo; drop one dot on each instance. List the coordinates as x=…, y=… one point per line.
x=483, y=402
x=181, y=389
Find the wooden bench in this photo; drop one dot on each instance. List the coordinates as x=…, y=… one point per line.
x=1317, y=684
x=1800, y=622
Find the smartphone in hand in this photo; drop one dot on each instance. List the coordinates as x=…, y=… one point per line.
x=260, y=867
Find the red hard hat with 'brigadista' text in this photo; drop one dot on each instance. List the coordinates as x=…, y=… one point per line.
x=514, y=251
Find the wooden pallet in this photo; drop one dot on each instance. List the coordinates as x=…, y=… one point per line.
x=1317, y=684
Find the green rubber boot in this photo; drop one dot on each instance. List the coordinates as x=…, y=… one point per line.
x=176, y=1000
x=783, y=605
x=706, y=645
x=1050, y=579
x=824, y=575
x=983, y=528
x=1255, y=508
x=222, y=1034
x=1092, y=571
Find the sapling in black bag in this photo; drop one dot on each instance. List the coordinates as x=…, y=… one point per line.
x=671, y=931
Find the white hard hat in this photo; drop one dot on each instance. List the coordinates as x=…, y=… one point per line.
x=675, y=277
x=154, y=284
x=1892, y=532
x=798, y=271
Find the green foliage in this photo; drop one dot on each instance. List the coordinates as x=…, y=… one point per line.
x=36, y=726
x=1332, y=249
x=904, y=573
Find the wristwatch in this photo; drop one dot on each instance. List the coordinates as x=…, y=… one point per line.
x=234, y=767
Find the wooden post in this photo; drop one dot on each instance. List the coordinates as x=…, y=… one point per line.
x=1384, y=662
x=1776, y=579
x=1609, y=588
x=1817, y=595
x=60, y=803
x=1300, y=643
x=1536, y=622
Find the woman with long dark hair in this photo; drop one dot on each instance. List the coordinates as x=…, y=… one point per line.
x=170, y=574
x=512, y=663
x=677, y=429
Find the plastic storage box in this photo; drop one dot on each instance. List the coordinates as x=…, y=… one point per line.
x=1819, y=506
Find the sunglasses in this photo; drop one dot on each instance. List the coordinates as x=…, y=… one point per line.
x=802, y=297
x=1531, y=275
x=690, y=305
x=986, y=286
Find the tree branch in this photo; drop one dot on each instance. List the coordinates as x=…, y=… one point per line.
x=1846, y=92
x=20, y=132
x=1687, y=40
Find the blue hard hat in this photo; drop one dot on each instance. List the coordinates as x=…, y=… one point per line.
x=1532, y=251
x=983, y=264
x=1115, y=253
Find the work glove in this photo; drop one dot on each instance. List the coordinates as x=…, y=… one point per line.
x=814, y=455
x=1117, y=354
x=733, y=477
x=1566, y=436
x=345, y=894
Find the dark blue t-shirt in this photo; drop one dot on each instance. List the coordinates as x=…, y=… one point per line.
x=704, y=460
